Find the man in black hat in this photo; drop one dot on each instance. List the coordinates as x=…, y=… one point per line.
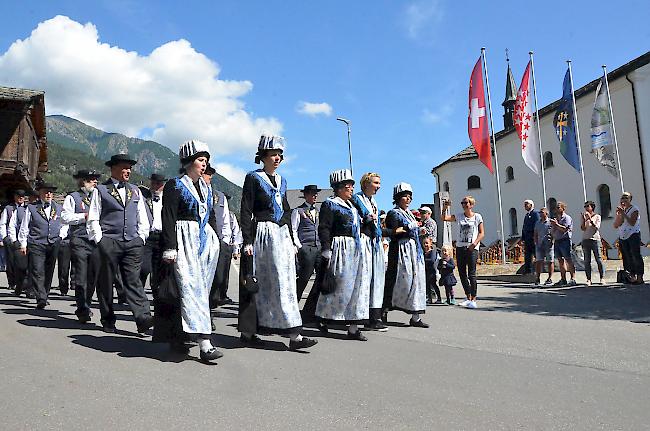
x=117, y=222
x=10, y=252
x=83, y=251
x=151, y=253
x=41, y=232
x=304, y=222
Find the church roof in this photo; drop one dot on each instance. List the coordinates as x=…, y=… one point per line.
x=587, y=89
x=511, y=87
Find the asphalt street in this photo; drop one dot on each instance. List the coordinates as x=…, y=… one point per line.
x=557, y=358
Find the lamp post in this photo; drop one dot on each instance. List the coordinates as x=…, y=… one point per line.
x=347, y=123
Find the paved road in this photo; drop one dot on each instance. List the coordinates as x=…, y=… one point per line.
x=573, y=358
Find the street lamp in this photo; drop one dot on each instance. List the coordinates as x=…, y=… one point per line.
x=347, y=123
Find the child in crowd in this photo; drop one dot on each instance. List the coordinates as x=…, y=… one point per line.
x=430, y=256
x=446, y=267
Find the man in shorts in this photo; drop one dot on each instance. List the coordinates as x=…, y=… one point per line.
x=543, y=237
x=562, y=230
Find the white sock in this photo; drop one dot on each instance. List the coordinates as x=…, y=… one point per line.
x=205, y=345
x=416, y=317
x=295, y=337
x=353, y=329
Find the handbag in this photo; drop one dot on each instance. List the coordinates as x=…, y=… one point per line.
x=249, y=280
x=325, y=281
x=168, y=291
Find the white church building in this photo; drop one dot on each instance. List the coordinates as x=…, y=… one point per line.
x=463, y=174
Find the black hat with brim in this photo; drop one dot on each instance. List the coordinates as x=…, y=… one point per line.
x=46, y=186
x=311, y=188
x=157, y=177
x=210, y=170
x=20, y=193
x=120, y=158
x=86, y=174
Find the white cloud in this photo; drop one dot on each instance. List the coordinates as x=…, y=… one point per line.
x=231, y=172
x=174, y=92
x=421, y=17
x=440, y=116
x=314, y=109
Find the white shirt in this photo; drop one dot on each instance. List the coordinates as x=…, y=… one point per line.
x=222, y=216
x=237, y=238
x=467, y=229
x=12, y=229
x=23, y=232
x=626, y=230
x=92, y=224
x=4, y=220
x=156, y=224
x=69, y=214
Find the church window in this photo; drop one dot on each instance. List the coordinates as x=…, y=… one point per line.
x=604, y=201
x=510, y=174
x=513, y=222
x=473, y=182
x=548, y=160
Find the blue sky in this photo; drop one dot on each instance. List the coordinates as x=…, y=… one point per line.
x=398, y=70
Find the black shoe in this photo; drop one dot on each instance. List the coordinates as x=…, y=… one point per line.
x=64, y=291
x=322, y=328
x=213, y=326
x=253, y=340
x=30, y=295
x=146, y=324
x=418, y=323
x=305, y=343
x=227, y=301
x=41, y=305
x=376, y=325
x=210, y=355
x=84, y=318
x=109, y=329
x=121, y=301
x=179, y=347
x=357, y=336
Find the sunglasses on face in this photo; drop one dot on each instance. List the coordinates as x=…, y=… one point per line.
x=464, y=203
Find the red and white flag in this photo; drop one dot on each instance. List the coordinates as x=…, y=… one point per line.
x=477, y=126
x=525, y=124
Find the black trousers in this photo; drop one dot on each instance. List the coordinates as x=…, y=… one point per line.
x=151, y=258
x=63, y=266
x=125, y=257
x=86, y=262
x=42, y=259
x=529, y=252
x=467, y=269
x=10, y=253
x=219, y=289
x=22, y=277
x=631, y=254
x=308, y=262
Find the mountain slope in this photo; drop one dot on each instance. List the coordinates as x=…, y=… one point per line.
x=90, y=145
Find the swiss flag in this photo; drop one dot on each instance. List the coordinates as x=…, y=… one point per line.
x=477, y=126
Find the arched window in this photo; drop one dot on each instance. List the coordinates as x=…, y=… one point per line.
x=548, y=160
x=604, y=201
x=445, y=186
x=551, y=207
x=510, y=173
x=473, y=182
x=513, y=222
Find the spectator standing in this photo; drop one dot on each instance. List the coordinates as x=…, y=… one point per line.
x=590, y=226
x=527, y=233
x=562, y=226
x=628, y=223
x=543, y=237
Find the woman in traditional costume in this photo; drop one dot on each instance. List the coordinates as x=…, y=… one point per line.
x=344, y=279
x=371, y=238
x=267, y=292
x=405, y=287
x=191, y=246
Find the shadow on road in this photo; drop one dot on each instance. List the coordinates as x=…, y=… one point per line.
x=630, y=303
x=128, y=347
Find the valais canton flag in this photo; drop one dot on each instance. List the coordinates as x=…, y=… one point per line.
x=477, y=127
x=525, y=122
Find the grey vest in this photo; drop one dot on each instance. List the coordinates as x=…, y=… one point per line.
x=119, y=221
x=20, y=215
x=81, y=206
x=41, y=229
x=307, y=229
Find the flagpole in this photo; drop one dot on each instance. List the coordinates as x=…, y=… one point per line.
x=496, y=158
x=575, y=121
x=611, y=114
x=539, y=132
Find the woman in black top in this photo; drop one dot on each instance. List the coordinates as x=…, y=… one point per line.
x=190, y=244
x=269, y=253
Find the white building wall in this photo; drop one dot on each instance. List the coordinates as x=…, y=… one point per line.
x=562, y=182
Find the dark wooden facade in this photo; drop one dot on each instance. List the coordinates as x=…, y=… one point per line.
x=23, y=141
